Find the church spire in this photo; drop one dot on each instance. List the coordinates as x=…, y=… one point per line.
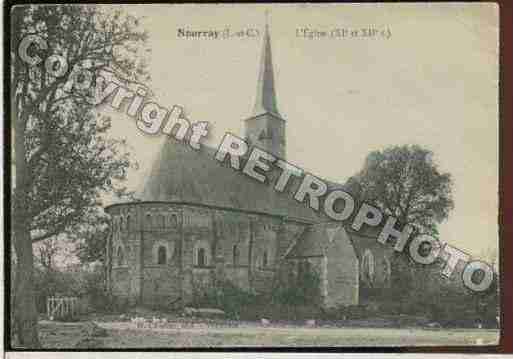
x=265, y=129
x=266, y=94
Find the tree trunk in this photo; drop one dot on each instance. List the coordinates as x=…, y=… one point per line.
x=25, y=305
x=25, y=301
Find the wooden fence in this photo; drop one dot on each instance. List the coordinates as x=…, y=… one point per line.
x=59, y=307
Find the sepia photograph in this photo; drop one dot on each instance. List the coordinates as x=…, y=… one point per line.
x=252, y=176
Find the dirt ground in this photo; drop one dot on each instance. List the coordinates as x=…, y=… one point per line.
x=124, y=334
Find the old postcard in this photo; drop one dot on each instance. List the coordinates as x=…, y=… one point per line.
x=253, y=175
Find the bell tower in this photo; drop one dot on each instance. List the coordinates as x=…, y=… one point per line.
x=266, y=127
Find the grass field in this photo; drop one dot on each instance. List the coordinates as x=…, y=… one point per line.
x=121, y=335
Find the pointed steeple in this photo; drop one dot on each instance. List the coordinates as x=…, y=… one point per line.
x=266, y=94
x=265, y=128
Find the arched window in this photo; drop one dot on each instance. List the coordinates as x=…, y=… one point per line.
x=121, y=223
x=202, y=260
x=368, y=268
x=236, y=255
x=148, y=220
x=162, y=255
x=173, y=221
x=128, y=223
x=201, y=253
x=265, y=260
x=120, y=256
x=162, y=252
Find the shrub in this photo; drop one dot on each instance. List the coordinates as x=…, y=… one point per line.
x=72, y=282
x=297, y=301
x=241, y=305
x=305, y=291
x=227, y=297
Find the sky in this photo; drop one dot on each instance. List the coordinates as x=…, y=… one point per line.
x=433, y=82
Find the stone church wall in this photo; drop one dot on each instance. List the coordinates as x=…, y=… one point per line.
x=244, y=248
x=197, y=235
x=233, y=235
x=124, y=249
x=162, y=282
x=264, y=253
x=341, y=272
x=161, y=285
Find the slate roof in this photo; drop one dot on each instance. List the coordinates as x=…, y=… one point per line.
x=308, y=244
x=182, y=174
x=315, y=240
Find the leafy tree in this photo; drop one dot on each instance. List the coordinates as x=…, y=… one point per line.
x=404, y=182
x=46, y=251
x=63, y=159
x=91, y=238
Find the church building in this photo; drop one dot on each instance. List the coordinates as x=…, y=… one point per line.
x=198, y=221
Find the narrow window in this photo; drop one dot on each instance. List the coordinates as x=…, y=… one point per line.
x=173, y=221
x=120, y=256
x=387, y=272
x=162, y=220
x=265, y=260
x=148, y=220
x=201, y=257
x=162, y=255
x=235, y=255
x=128, y=222
x=368, y=268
